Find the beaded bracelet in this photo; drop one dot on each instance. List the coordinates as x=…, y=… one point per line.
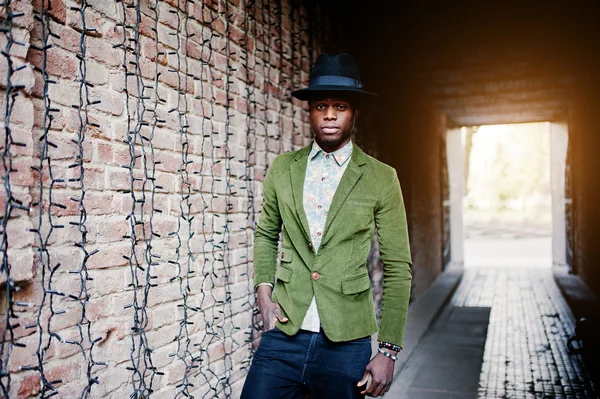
x=387, y=345
x=387, y=354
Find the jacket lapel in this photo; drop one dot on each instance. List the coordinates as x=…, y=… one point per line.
x=297, y=174
x=351, y=176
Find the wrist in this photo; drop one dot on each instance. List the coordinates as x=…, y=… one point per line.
x=263, y=292
x=387, y=353
x=389, y=346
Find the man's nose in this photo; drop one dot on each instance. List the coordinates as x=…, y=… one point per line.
x=330, y=113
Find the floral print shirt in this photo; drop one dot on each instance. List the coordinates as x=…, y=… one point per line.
x=323, y=174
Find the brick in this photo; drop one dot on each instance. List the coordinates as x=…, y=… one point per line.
x=111, y=102
x=167, y=76
x=74, y=388
x=64, y=92
x=66, y=370
x=22, y=355
x=98, y=309
x=92, y=20
x=38, y=117
x=110, y=256
x=105, y=8
x=164, y=139
x=22, y=174
x=102, y=50
x=21, y=112
x=29, y=385
x=59, y=63
x=102, y=152
x=20, y=35
x=163, y=315
x=93, y=178
x=96, y=73
x=111, y=379
x=67, y=149
x=110, y=229
x=169, y=17
x=117, y=178
x=20, y=77
x=164, y=34
x=148, y=26
x=56, y=9
x=150, y=53
x=69, y=38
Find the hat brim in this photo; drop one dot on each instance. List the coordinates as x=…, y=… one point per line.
x=310, y=92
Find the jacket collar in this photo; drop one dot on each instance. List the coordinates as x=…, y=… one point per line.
x=340, y=155
x=358, y=156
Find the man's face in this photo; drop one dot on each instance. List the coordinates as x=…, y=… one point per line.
x=332, y=122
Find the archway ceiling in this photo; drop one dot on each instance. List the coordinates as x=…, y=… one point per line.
x=487, y=62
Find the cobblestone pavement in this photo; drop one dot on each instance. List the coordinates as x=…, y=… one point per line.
x=526, y=352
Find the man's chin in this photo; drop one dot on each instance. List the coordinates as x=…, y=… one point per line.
x=331, y=142
x=332, y=138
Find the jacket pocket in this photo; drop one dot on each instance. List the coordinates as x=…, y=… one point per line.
x=284, y=274
x=363, y=202
x=286, y=255
x=355, y=285
x=361, y=211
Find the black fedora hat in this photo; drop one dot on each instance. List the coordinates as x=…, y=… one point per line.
x=332, y=73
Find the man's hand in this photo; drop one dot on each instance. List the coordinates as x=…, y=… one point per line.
x=269, y=310
x=381, y=370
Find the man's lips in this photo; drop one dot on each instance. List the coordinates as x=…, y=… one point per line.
x=330, y=129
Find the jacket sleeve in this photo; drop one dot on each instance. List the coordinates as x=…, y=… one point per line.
x=390, y=220
x=266, y=236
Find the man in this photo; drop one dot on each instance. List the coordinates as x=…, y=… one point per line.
x=317, y=307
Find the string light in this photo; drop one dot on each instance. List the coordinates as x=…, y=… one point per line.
x=45, y=205
x=11, y=202
x=84, y=340
x=249, y=162
x=140, y=133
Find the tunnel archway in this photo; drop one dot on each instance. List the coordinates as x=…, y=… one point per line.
x=507, y=195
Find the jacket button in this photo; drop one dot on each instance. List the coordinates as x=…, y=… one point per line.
x=310, y=246
x=315, y=276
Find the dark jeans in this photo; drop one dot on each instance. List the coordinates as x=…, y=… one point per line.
x=290, y=367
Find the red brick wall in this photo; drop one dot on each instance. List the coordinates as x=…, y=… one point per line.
x=195, y=164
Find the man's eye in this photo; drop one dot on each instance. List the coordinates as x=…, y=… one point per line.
x=320, y=106
x=341, y=107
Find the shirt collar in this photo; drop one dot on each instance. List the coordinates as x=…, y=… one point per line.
x=341, y=155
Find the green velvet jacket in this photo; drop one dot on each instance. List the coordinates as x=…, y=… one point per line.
x=368, y=197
